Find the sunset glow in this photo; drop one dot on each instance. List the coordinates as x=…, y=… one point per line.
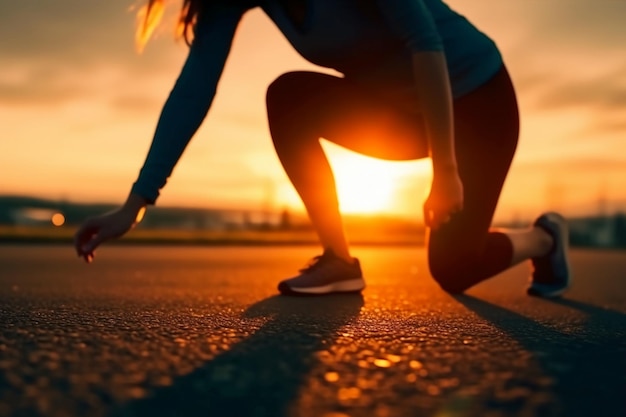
x=363, y=186
x=369, y=185
x=79, y=106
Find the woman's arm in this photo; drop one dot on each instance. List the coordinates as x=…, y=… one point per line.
x=182, y=114
x=435, y=97
x=190, y=99
x=413, y=23
x=446, y=193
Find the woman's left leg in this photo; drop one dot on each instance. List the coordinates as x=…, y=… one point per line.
x=304, y=107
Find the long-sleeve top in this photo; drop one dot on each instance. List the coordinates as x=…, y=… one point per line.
x=372, y=46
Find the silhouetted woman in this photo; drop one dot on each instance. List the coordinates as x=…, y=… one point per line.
x=418, y=80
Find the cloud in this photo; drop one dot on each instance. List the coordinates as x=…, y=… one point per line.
x=32, y=86
x=605, y=92
x=613, y=125
x=79, y=35
x=73, y=50
x=135, y=103
x=575, y=165
x=571, y=54
x=40, y=86
x=66, y=29
x=581, y=24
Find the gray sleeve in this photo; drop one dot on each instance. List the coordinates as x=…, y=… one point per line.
x=412, y=21
x=190, y=99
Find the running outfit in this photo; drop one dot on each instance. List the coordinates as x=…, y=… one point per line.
x=372, y=47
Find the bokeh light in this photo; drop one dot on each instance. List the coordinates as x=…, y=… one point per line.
x=58, y=219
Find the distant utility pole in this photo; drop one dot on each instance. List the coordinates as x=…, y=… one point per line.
x=602, y=199
x=269, y=200
x=555, y=195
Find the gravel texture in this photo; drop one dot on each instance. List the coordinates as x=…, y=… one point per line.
x=192, y=331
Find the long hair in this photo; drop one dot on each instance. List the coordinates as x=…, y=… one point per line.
x=150, y=15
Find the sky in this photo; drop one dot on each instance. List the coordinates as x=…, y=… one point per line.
x=78, y=107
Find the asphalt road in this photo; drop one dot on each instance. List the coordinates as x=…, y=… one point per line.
x=200, y=332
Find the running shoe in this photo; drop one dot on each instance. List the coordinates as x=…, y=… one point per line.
x=325, y=274
x=551, y=275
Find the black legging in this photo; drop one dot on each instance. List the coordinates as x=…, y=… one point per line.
x=305, y=106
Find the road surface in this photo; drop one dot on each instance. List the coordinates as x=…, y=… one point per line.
x=200, y=331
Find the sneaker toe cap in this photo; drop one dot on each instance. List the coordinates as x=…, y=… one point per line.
x=546, y=290
x=284, y=288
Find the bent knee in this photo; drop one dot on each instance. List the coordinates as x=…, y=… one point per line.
x=453, y=272
x=282, y=92
x=450, y=283
x=278, y=87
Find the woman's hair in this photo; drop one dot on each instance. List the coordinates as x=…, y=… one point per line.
x=150, y=15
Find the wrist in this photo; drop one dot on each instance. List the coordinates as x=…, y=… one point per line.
x=135, y=206
x=135, y=201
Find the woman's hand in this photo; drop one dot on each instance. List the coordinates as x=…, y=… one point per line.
x=98, y=230
x=445, y=199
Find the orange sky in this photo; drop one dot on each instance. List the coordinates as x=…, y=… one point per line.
x=78, y=108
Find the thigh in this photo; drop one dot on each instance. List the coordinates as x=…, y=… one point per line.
x=347, y=114
x=486, y=133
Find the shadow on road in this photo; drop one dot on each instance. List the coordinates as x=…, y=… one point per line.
x=261, y=375
x=595, y=352
x=596, y=316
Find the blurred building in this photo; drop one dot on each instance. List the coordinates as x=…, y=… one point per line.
x=599, y=231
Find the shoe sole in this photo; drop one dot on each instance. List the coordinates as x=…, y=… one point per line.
x=546, y=291
x=342, y=287
x=554, y=291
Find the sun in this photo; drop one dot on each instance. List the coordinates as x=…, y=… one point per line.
x=364, y=185
x=368, y=185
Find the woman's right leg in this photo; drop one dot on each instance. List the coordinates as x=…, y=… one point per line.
x=466, y=250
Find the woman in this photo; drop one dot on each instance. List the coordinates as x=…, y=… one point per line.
x=418, y=81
